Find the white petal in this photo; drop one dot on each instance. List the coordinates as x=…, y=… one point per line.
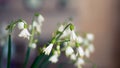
x=80, y=51
x=79, y=39
x=69, y=50
x=37, y=26
x=90, y=36
x=66, y=33
x=24, y=33
x=40, y=18
x=87, y=53
x=61, y=28
x=54, y=58
x=80, y=61
x=48, y=49
x=73, y=36
x=20, y=25
x=91, y=48
x=33, y=45
x=73, y=57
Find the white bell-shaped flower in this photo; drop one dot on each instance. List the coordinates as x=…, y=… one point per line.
x=80, y=51
x=69, y=50
x=33, y=45
x=54, y=57
x=48, y=49
x=24, y=33
x=66, y=33
x=73, y=57
x=90, y=36
x=61, y=28
x=73, y=36
x=80, y=61
x=37, y=26
x=79, y=39
x=91, y=48
x=40, y=18
x=87, y=53
x=21, y=25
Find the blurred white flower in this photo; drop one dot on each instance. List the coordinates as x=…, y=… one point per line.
x=90, y=36
x=91, y=48
x=37, y=26
x=69, y=50
x=61, y=28
x=33, y=45
x=66, y=33
x=73, y=36
x=87, y=53
x=40, y=18
x=79, y=62
x=73, y=57
x=24, y=33
x=21, y=25
x=54, y=57
x=48, y=49
x=80, y=51
x=79, y=39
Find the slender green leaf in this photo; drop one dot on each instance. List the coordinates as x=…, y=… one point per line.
x=9, y=51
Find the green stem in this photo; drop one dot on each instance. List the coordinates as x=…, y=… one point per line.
x=9, y=51
x=62, y=31
x=37, y=60
x=45, y=62
x=1, y=57
x=27, y=57
x=28, y=50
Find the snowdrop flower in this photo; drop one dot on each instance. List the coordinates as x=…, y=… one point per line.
x=65, y=33
x=40, y=18
x=80, y=51
x=37, y=26
x=79, y=62
x=87, y=53
x=69, y=50
x=33, y=45
x=79, y=39
x=24, y=33
x=61, y=28
x=91, y=48
x=73, y=57
x=21, y=25
x=54, y=58
x=90, y=36
x=73, y=36
x=48, y=49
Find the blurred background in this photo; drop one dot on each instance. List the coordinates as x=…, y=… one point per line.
x=100, y=17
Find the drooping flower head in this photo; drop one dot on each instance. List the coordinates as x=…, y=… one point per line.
x=48, y=49
x=69, y=51
x=54, y=57
x=21, y=25
x=24, y=33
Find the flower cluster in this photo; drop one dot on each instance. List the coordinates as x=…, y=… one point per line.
x=76, y=47
x=34, y=28
x=65, y=39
